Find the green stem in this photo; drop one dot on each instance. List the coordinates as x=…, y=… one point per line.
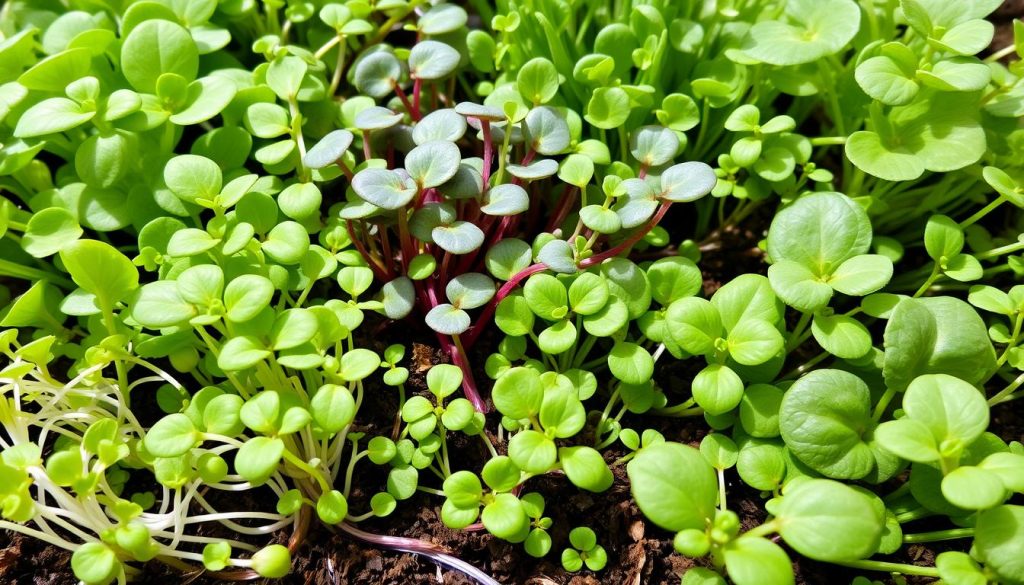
x=915, y=514
x=16, y=270
x=883, y=403
x=828, y=141
x=982, y=212
x=339, y=67
x=897, y=493
x=950, y=534
x=309, y=469
x=929, y=282
x=1004, y=52
x=994, y=252
x=795, y=340
x=763, y=530
x=604, y=416
x=490, y=446
x=679, y=410
x=721, y=490
x=1002, y=395
x=300, y=142
x=799, y=370
x=583, y=350
x=886, y=567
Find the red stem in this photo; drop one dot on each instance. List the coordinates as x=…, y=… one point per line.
x=506, y=289
x=417, y=89
x=458, y=353
x=485, y=128
x=528, y=158
x=405, y=102
x=467, y=259
x=563, y=208
x=628, y=242
x=498, y=233
x=408, y=249
x=344, y=169
x=445, y=261
x=377, y=269
x=367, y=152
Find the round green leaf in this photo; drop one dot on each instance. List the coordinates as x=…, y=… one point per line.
x=829, y=521
x=377, y=74
x=433, y=163
x=504, y=517
x=973, y=488
x=717, y=389
x=94, y=563
x=630, y=363
x=171, y=436
x=192, y=177
x=753, y=342
x=546, y=296
x=98, y=268
x=671, y=498
x=159, y=304
x=538, y=80
x=258, y=459
x=447, y=319
x=950, y=407
x=328, y=150
x=653, y=146
x=506, y=199
x=811, y=30
x=518, y=393
x=461, y=237
x=688, y=181
x=824, y=418
x=432, y=60
x=841, y=335
x=49, y=230
x=752, y=561
x=532, y=452
x=546, y=131
x=156, y=47
x=608, y=108
x=246, y=296
x=585, y=468
x=999, y=534
x=819, y=231
x=332, y=407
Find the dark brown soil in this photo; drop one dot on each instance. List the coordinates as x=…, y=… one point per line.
x=638, y=552
x=1003, y=18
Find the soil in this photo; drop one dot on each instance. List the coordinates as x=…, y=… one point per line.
x=1003, y=18
x=638, y=552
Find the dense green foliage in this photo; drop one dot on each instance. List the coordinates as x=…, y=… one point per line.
x=224, y=202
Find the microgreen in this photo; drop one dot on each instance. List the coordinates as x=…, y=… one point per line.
x=237, y=206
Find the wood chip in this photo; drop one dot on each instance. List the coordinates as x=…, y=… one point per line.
x=636, y=530
x=422, y=357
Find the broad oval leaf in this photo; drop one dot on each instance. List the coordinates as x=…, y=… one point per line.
x=824, y=418
x=156, y=47
x=673, y=486
x=382, y=187
x=433, y=163
x=432, y=60
x=828, y=521
x=688, y=181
